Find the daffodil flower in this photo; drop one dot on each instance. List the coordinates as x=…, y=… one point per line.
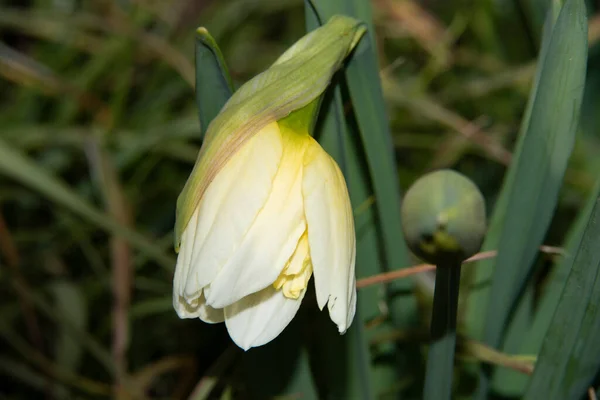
x=266, y=208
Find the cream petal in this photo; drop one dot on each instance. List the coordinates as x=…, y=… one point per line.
x=272, y=238
x=259, y=318
x=330, y=235
x=197, y=309
x=183, y=258
x=230, y=206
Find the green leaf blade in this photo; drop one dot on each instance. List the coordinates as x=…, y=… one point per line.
x=478, y=299
x=213, y=83
x=541, y=165
x=570, y=355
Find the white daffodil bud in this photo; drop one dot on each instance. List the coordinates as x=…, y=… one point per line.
x=266, y=207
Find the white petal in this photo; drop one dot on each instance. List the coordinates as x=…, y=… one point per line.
x=272, y=238
x=230, y=206
x=330, y=235
x=261, y=317
x=197, y=309
x=184, y=257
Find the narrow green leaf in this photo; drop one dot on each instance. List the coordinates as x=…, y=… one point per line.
x=478, y=299
x=529, y=195
x=547, y=145
x=213, y=83
x=530, y=342
x=481, y=275
x=364, y=85
x=570, y=356
x=70, y=303
x=505, y=381
x=18, y=166
x=151, y=307
x=551, y=295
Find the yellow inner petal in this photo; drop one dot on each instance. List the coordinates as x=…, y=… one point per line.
x=295, y=276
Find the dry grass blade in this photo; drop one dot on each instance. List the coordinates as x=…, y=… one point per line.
x=23, y=70
x=421, y=104
x=114, y=22
x=121, y=256
x=154, y=43
x=481, y=352
x=427, y=30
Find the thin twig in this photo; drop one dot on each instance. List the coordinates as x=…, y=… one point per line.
x=420, y=268
x=424, y=105
x=118, y=208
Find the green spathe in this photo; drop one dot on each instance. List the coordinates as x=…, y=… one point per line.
x=297, y=78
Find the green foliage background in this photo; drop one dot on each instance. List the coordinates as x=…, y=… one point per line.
x=99, y=131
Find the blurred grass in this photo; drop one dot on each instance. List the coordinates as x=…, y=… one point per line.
x=97, y=101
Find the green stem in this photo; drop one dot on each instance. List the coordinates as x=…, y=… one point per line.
x=440, y=362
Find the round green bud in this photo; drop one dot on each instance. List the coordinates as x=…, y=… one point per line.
x=443, y=217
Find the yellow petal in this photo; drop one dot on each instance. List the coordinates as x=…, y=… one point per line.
x=272, y=238
x=331, y=235
x=295, y=276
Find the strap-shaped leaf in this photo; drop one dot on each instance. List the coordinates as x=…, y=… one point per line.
x=530, y=191
x=213, y=83
x=478, y=299
x=570, y=356
x=547, y=145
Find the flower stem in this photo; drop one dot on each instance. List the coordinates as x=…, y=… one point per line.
x=440, y=362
